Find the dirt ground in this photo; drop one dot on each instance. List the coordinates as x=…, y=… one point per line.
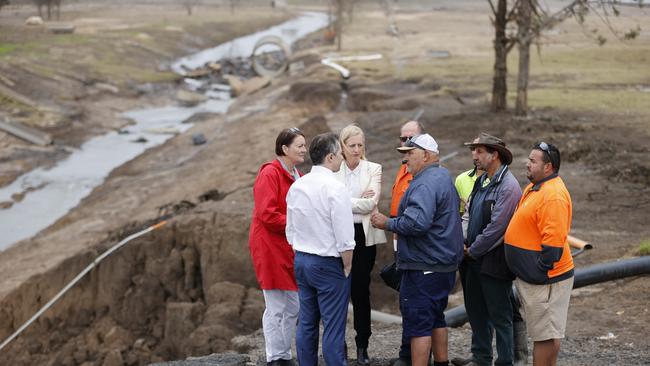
x=188, y=289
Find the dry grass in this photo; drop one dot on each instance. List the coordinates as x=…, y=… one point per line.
x=571, y=71
x=118, y=43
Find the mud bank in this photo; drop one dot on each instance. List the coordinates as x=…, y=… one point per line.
x=178, y=292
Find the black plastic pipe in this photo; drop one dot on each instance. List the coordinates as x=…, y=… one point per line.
x=597, y=273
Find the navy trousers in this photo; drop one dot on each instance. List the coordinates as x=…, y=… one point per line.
x=324, y=293
x=489, y=310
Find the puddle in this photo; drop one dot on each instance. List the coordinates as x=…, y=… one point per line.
x=48, y=194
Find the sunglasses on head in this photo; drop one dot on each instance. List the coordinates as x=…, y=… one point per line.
x=546, y=148
x=404, y=138
x=294, y=130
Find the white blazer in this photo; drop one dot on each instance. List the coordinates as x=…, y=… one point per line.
x=370, y=178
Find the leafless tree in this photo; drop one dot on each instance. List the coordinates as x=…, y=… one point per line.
x=521, y=23
x=502, y=46
x=189, y=5
x=48, y=4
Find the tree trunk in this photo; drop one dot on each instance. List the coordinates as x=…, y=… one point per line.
x=499, y=84
x=524, y=37
x=339, y=23
x=350, y=9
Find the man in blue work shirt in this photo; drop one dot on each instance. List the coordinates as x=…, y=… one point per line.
x=429, y=249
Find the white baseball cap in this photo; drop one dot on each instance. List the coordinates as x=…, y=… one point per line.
x=424, y=142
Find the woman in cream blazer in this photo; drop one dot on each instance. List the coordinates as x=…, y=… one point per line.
x=363, y=181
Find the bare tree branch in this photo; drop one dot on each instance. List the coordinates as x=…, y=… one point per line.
x=494, y=10
x=513, y=11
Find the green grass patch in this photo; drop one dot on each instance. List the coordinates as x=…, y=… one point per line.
x=599, y=100
x=644, y=247
x=71, y=39
x=584, y=67
x=6, y=48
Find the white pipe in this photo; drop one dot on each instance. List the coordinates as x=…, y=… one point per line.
x=372, y=57
x=345, y=73
x=79, y=276
x=380, y=316
x=448, y=156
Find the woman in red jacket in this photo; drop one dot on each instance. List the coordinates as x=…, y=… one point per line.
x=272, y=256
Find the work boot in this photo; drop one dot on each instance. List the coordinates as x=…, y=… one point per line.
x=520, y=344
x=402, y=362
x=458, y=361
x=362, y=356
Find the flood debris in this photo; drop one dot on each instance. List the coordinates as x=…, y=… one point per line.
x=438, y=53
x=175, y=208
x=212, y=195
x=61, y=28
x=199, y=139
x=189, y=98
x=7, y=81
x=34, y=21
x=608, y=337
x=26, y=133
x=107, y=88
x=270, y=63
x=333, y=62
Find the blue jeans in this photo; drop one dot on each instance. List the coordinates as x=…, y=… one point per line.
x=324, y=293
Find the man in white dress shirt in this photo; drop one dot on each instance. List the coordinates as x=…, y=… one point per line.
x=320, y=230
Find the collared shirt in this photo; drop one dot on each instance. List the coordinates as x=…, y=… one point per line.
x=319, y=215
x=537, y=250
x=293, y=173
x=402, y=181
x=464, y=184
x=353, y=184
x=430, y=237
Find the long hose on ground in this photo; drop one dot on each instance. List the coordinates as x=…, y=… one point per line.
x=76, y=279
x=598, y=273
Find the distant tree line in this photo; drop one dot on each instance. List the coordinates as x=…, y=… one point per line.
x=49, y=4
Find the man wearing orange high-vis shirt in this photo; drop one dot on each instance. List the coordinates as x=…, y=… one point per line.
x=402, y=181
x=538, y=253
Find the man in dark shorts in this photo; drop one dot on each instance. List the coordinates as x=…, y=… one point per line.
x=429, y=249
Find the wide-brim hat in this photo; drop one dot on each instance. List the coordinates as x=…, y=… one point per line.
x=494, y=142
